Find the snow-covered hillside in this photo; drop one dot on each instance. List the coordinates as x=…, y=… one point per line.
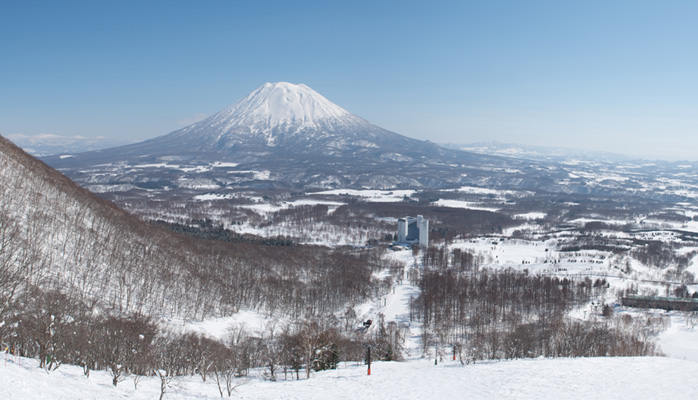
x=87, y=247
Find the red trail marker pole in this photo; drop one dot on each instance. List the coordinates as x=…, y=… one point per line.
x=369, y=361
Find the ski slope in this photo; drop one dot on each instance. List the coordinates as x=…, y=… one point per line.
x=580, y=378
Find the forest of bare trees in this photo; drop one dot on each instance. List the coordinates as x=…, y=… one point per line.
x=58, y=329
x=55, y=234
x=492, y=314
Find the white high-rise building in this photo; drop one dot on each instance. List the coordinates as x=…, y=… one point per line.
x=412, y=230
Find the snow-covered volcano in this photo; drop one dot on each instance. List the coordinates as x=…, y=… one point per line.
x=298, y=138
x=294, y=117
x=276, y=117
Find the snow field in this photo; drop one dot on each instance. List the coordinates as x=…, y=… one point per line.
x=218, y=328
x=469, y=205
x=580, y=378
x=370, y=195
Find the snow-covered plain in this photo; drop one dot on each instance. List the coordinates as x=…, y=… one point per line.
x=273, y=207
x=463, y=204
x=680, y=339
x=370, y=195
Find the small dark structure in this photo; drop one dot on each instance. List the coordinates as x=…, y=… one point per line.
x=664, y=303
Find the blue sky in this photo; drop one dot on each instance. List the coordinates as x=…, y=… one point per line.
x=618, y=76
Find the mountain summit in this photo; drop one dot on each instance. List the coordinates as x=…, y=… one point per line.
x=275, y=105
x=272, y=115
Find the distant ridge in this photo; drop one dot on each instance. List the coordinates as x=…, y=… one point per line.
x=549, y=153
x=49, y=144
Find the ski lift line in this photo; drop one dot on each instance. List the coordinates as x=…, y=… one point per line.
x=382, y=309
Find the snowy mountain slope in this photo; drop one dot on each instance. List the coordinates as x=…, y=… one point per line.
x=68, y=238
x=294, y=118
x=71, y=239
x=280, y=108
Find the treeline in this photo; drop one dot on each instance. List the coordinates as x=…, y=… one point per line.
x=313, y=222
x=458, y=259
x=478, y=301
x=59, y=329
x=661, y=254
x=493, y=314
x=207, y=229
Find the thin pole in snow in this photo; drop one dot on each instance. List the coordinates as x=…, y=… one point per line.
x=369, y=360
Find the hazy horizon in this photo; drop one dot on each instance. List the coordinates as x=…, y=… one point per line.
x=617, y=77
